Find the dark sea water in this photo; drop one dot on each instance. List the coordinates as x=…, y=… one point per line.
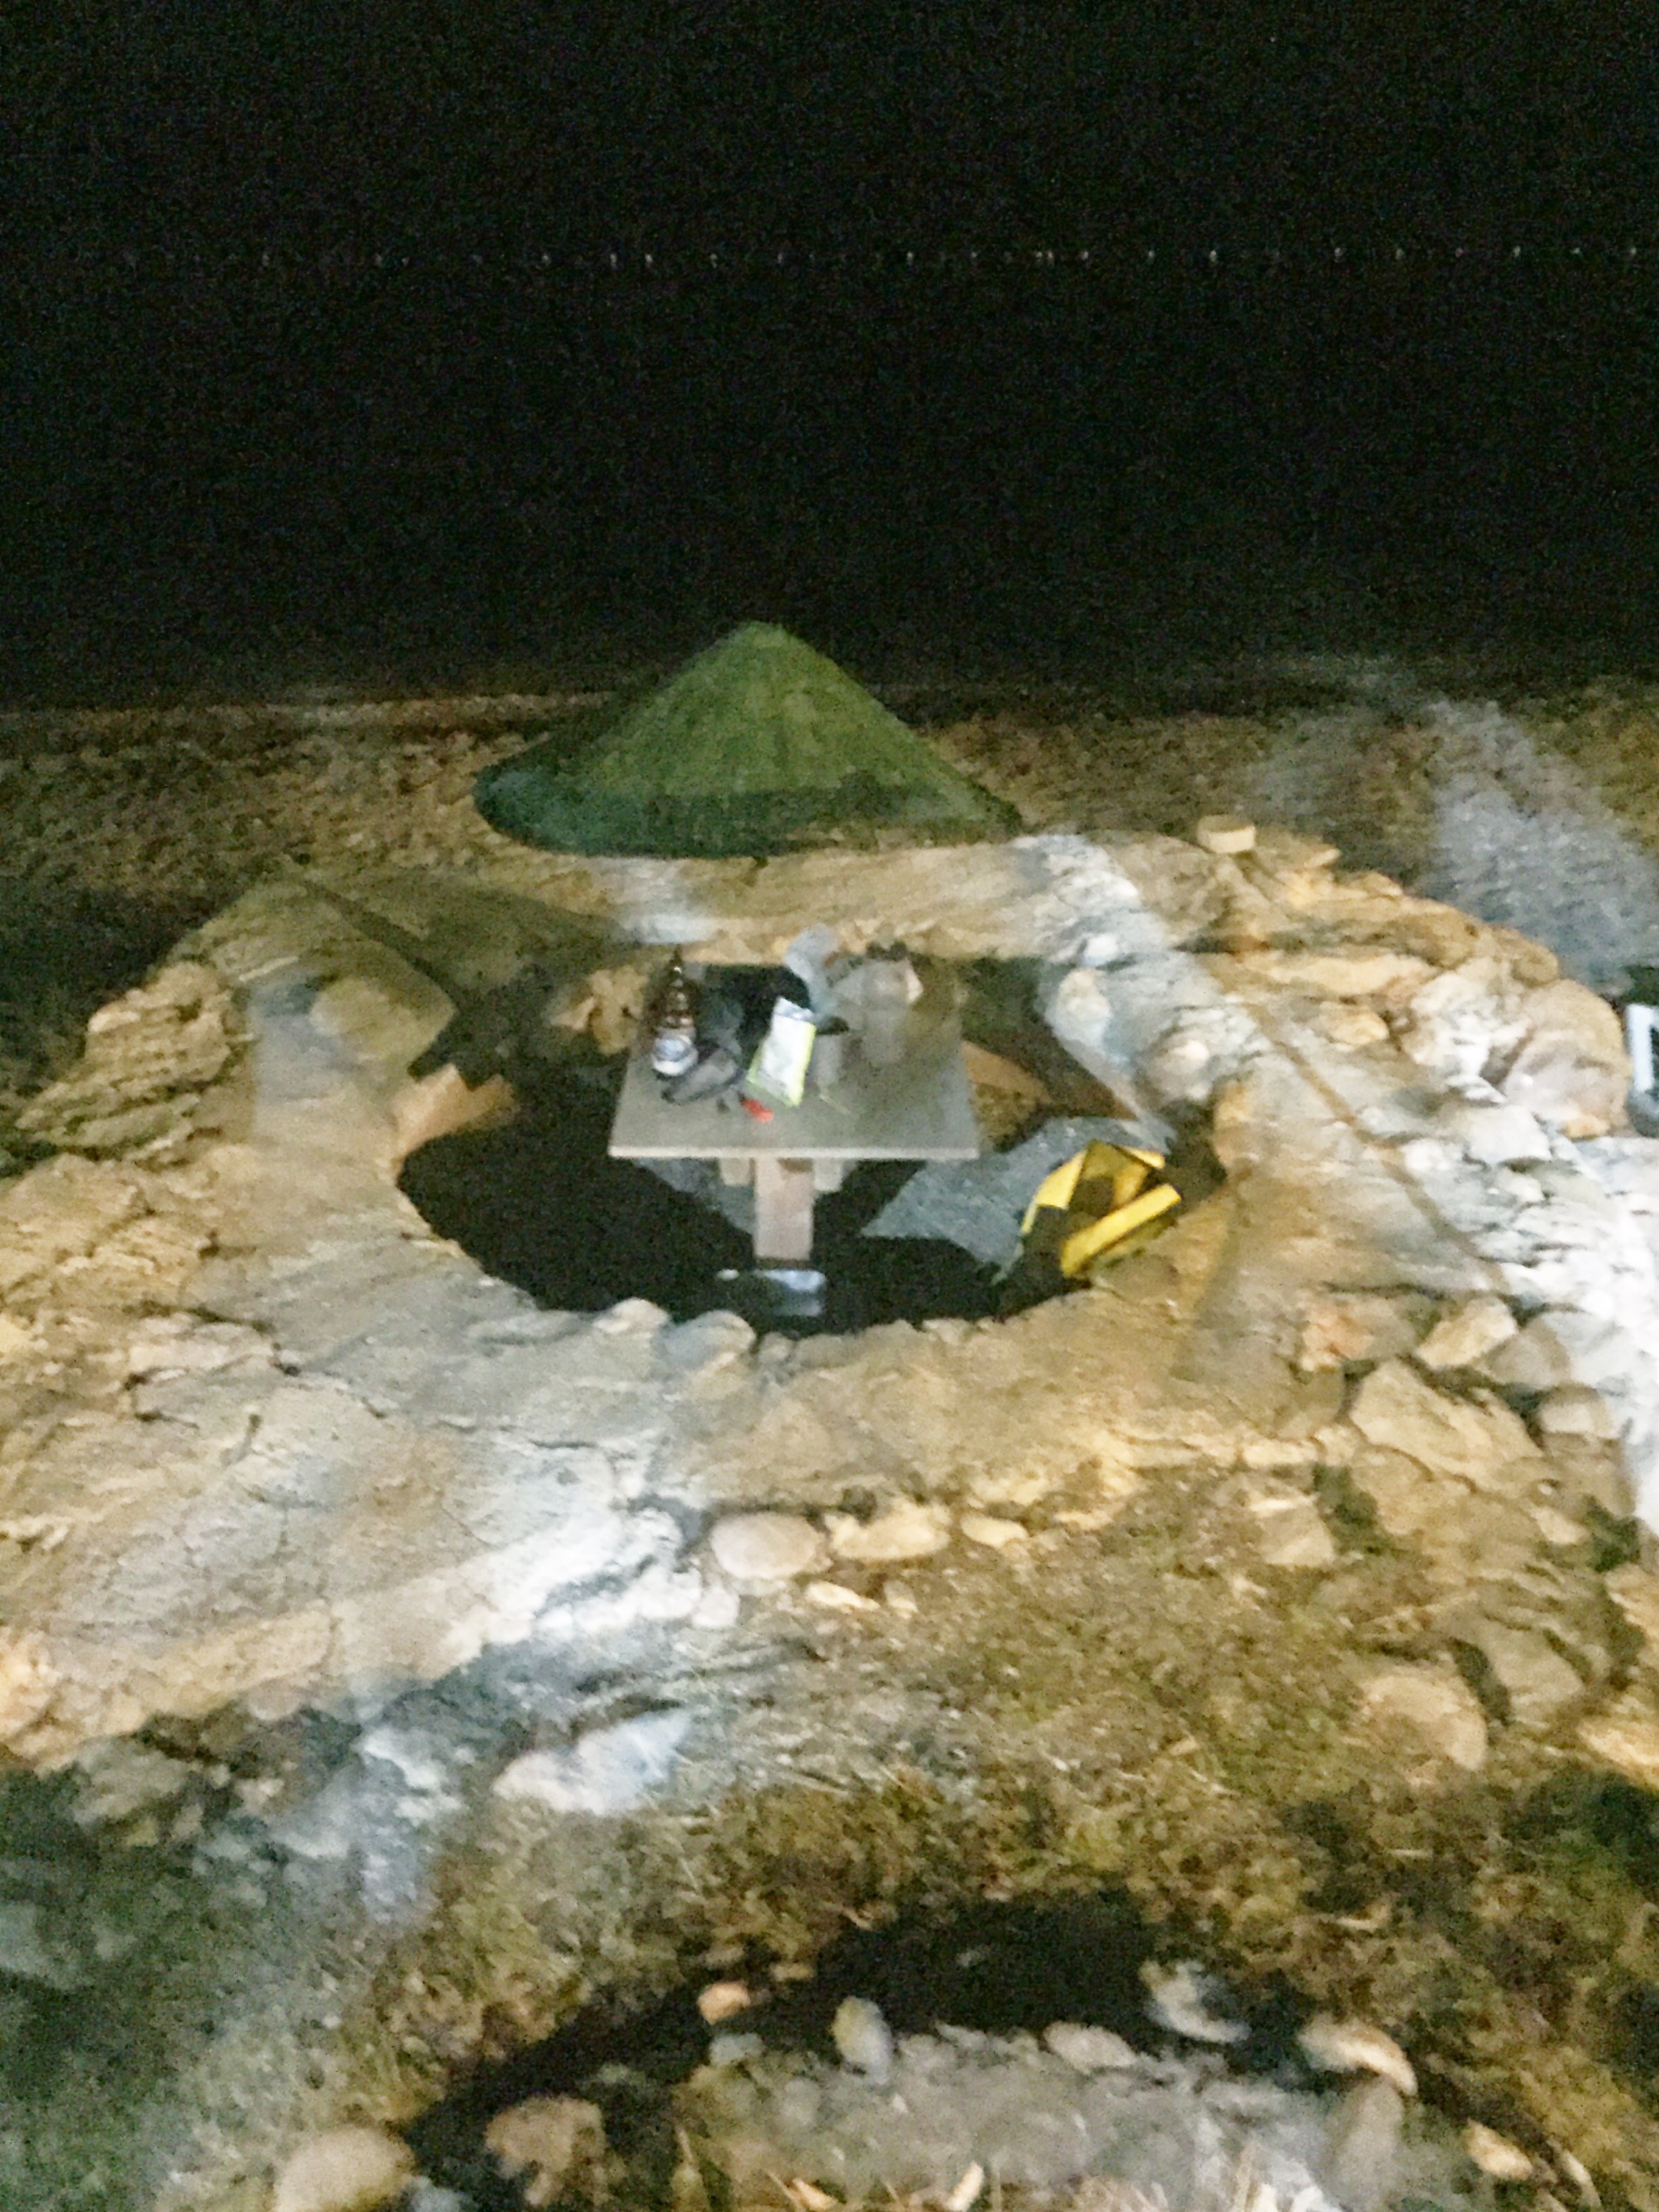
x=228, y=479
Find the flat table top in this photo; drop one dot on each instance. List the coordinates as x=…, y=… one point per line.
x=919, y=1108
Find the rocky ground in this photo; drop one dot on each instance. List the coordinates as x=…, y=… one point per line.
x=392, y=1670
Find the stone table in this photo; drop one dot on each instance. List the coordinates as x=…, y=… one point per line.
x=917, y=1108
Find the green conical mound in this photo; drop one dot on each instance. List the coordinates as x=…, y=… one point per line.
x=758, y=746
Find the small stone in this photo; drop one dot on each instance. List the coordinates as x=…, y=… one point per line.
x=344, y=2170
x=837, y=1597
x=1467, y=1334
x=767, y=1547
x=734, y=2049
x=900, y=1598
x=1354, y=2046
x=1191, y=2002
x=1292, y=1530
x=1538, y=1682
x=1575, y=1409
x=997, y=1535
x=1362, y=2146
x=557, y=2141
x=1352, y=1027
x=1558, y=1531
x=863, y=2038
x=1436, y=1705
x=721, y=2000
x=1349, y=1328
x=1495, y=2155
x=908, y=1529
x=1225, y=833
x=1089, y=2050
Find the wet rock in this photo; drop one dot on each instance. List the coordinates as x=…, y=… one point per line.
x=1348, y=1329
x=1362, y=2150
x=1575, y=1409
x=766, y=1547
x=556, y=2142
x=908, y=1530
x=1395, y=1408
x=1466, y=1333
x=1537, y=1681
x=611, y=1770
x=343, y=2170
x=1435, y=1705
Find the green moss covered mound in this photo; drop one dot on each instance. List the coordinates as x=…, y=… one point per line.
x=758, y=746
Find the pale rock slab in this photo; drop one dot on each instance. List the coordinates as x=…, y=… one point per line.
x=1494, y=1135
x=1536, y=1679
x=1292, y=1532
x=1467, y=1334
x=767, y=1547
x=1436, y=1704
x=1396, y=1408
x=1626, y=1737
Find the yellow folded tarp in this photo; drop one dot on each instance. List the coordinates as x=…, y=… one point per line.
x=1107, y=1193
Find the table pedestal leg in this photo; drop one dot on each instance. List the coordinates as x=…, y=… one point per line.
x=783, y=1211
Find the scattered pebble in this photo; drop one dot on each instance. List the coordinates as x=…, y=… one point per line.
x=1495, y=2155
x=967, y=2191
x=997, y=1535
x=838, y=1597
x=900, y=1598
x=720, y=2000
x=1089, y=2050
x=863, y=2038
x=1354, y=2046
x=344, y=2170
x=611, y=1770
x=1191, y=2002
x=730, y=2050
x=766, y=1547
x=908, y=1529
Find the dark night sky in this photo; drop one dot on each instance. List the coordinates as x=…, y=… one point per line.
x=237, y=449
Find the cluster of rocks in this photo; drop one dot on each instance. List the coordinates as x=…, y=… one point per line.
x=273, y=1449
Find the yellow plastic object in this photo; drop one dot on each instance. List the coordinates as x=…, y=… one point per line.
x=1126, y=1165
x=1094, y=1237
